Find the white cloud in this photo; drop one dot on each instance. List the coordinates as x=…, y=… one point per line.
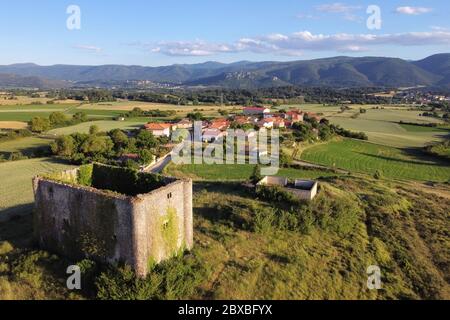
x=337, y=7
x=438, y=28
x=88, y=48
x=347, y=12
x=296, y=43
x=413, y=10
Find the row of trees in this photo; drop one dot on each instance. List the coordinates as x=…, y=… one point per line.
x=107, y=147
x=56, y=120
x=276, y=95
x=311, y=130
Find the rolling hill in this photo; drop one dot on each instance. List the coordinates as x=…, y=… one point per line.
x=334, y=72
x=16, y=81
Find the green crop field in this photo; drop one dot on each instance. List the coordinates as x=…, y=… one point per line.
x=103, y=125
x=359, y=156
x=16, y=193
x=236, y=172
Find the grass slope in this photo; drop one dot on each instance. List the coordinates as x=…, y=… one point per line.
x=24, y=145
x=239, y=256
x=16, y=191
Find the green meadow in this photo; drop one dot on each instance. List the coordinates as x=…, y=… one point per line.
x=24, y=145
x=236, y=172
x=16, y=193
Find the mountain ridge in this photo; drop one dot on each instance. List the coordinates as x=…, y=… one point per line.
x=338, y=71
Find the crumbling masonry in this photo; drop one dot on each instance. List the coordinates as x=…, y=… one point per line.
x=111, y=214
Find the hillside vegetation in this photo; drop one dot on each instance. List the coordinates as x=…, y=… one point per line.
x=248, y=246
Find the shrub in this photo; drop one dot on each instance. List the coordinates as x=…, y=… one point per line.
x=276, y=194
x=5, y=247
x=256, y=175
x=264, y=221
x=378, y=174
x=177, y=278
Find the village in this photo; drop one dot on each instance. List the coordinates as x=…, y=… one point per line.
x=254, y=117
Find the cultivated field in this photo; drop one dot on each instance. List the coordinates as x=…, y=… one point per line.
x=22, y=100
x=125, y=105
x=13, y=125
x=16, y=193
x=365, y=157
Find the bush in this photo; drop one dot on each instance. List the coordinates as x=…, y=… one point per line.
x=5, y=247
x=264, y=221
x=378, y=174
x=276, y=194
x=39, y=124
x=177, y=278
x=256, y=175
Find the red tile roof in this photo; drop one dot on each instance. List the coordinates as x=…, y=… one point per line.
x=157, y=126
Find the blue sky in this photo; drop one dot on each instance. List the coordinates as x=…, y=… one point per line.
x=162, y=32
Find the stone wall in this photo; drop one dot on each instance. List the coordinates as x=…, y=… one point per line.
x=78, y=221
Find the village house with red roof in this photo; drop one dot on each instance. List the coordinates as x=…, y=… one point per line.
x=159, y=129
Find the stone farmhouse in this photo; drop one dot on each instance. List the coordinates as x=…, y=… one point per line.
x=111, y=214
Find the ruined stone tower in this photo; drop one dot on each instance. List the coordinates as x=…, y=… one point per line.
x=112, y=214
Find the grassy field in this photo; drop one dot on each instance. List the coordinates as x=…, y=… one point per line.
x=242, y=252
x=235, y=172
x=23, y=100
x=16, y=194
x=125, y=105
x=103, y=125
x=359, y=156
x=106, y=110
x=381, y=125
x=23, y=145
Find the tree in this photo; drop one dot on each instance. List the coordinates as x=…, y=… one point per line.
x=94, y=129
x=256, y=175
x=119, y=138
x=325, y=133
x=302, y=131
x=97, y=146
x=145, y=156
x=146, y=139
x=195, y=116
x=80, y=117
x=57, y=118
x=39, y=124
x=64, y=146
x=285, y=159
